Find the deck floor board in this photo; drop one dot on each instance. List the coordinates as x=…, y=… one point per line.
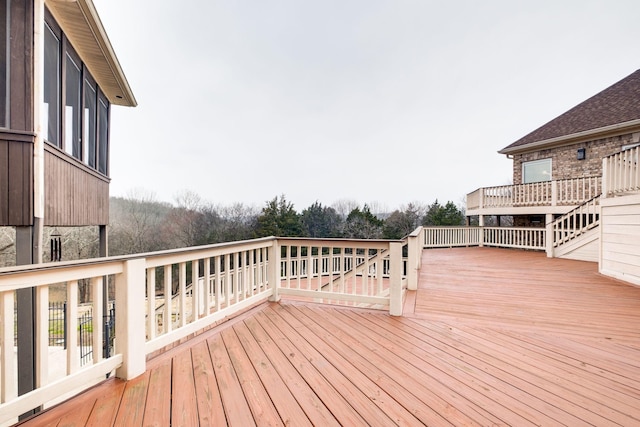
x=491, y=337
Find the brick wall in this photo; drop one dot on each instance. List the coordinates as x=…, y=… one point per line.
x=564, y=159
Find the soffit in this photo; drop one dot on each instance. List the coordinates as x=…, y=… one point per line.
x=81, y=24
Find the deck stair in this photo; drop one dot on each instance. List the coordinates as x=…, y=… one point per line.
x=362, y=263
x=575, y=234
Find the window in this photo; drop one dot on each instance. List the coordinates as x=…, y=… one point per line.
x=103, y=134
x=4, y=63
x=536, y=171
x=75, y=111
x=72, y=111
x=89, y=123
x=51, y=107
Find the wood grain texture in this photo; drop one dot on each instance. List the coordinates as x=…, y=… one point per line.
x=497, y=337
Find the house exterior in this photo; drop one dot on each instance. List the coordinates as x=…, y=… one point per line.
x=558, y=166
x=59, y=77
x=578, y=177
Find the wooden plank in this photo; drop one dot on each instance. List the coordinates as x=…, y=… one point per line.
x=236, y=408
x=107, y=403
x=331, y=398
x=282, y=398
x=504, y=381
x=158, y=406
x=184, y=409
x=310, y=403
x=262, y=408
x=363, y=400
x=413, y=393
x=210, y=408
x=133, y=404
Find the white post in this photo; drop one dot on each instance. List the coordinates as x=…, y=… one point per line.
x=130, y=330
x=605, y=178
x=8, y=379
x=42, y=335
x=98, y=317
x=413, y=242
x=274, y=271
x=554, y=193
x=549, y=235
x=395, y=279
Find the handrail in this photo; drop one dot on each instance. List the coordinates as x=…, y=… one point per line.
x=352, y=272
x=563, y=192
x=574, y=223
x=621, y=173
x=204, y=284
x=504, y=237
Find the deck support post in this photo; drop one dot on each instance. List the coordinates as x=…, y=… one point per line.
x=549, y=237
x=395, y=279
x=413, y=261
x=274, y=271
x=130, y=288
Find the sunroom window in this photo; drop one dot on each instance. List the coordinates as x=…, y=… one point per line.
x=75, y=111
x=51, y=106
x=536, y=171
x=72, y=112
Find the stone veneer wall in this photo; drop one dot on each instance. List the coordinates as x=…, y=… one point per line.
x=564, y=159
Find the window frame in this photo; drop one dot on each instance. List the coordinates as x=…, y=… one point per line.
x=548, y=160
x=100, y=161
x=68, y=51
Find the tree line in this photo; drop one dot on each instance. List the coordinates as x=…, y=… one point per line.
x=140, y=223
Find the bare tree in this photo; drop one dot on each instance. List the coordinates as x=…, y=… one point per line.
x=7, y=246
x=344, y=206
x=137, y=223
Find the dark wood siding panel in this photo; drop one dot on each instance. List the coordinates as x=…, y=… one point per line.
x=20, y=183
x=4, y=182
x=16, y=183
x=73, y=195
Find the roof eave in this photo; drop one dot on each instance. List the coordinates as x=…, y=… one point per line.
x=574, y=137
x=81, y=24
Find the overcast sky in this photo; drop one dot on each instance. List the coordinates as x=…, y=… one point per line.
x=386, y=101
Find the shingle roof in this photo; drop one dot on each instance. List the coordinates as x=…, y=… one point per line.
x=616, y=104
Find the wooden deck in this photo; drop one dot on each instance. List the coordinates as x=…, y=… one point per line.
x=492, y=337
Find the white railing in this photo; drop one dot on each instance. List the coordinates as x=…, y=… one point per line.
x=353, y=272
x=549, y=193
x=163, y=297
x=230, y=278
x=504, y=237
x=514, y=237
x=447, y=237
x=621, y=173
x=72, y=375
x=574, y=223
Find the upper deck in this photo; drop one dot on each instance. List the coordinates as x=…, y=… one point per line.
x=491, y=337
x=548, y=197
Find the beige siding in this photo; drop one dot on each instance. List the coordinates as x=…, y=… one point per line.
x=620, y=241
x=584, y=248
x=74, y=195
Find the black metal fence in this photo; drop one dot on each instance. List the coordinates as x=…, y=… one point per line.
x=58, y=333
